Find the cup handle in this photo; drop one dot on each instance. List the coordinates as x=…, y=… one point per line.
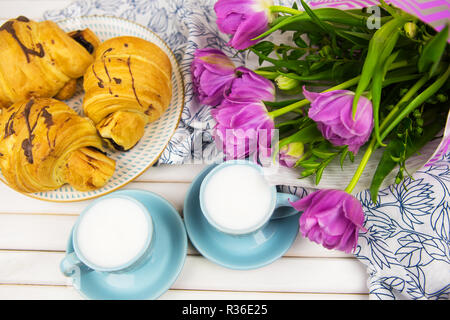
x=283, y=208
x=70, y=264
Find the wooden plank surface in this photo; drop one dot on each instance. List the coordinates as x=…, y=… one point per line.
x=35, y=292
x=34, y=233
x=301, y=275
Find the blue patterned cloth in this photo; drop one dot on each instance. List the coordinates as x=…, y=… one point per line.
x=407, y=246
x=185, y=25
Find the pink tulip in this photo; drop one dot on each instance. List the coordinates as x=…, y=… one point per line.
x=242, y=128
x=331, y=218
x=243, y=19
x=212, y=73
x=333, y=113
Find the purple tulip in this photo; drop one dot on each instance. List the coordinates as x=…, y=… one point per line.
x=242, y=128
x=333, y=113
x=331, y=218
x=243, y=124
x=290, y=154
x=249, y=86
x=212, y=73
x=244, y=19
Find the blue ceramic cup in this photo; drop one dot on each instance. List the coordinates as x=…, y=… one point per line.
x=77, y=259
x=279, y=203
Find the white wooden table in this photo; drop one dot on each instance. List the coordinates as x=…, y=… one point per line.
x=33, y=237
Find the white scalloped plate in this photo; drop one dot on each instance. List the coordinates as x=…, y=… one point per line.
x=130, y=164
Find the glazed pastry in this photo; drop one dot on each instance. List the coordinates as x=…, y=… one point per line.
x=128, y=85
x=38, y=59
x=45, y=144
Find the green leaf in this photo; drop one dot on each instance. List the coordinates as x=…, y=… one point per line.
x=358, y=38
x=302, y=22
x=308, y=134
x=343, y=156
x=299, y=41
x=307, y=173
x=316, y=66
x=282, y=23
x=377, y=85
x=322, y=153
x=309, y=164
x=322, y=167
x=265, y=48
x=293, y=65
x=319, y=174
x=433, y=52
x=417, y=101
x=388, y=162
x=351, y=156
x=382, y=41
x=280, y=104
x=324, y=25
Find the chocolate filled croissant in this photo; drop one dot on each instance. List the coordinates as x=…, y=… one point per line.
x=45, y=144
x=128, y=85
x=38, y=59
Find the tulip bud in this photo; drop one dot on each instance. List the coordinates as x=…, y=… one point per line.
x=419, y=122
x=285, y=83
x=419, y=131
x=410, y=29
x=441, y=97
x=290, y=154
x=326, y=51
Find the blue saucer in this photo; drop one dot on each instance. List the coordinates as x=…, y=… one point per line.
x=236, y=252
x=153, y=277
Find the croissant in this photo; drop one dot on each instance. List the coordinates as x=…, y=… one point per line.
x=44, y=144
x=128, y=86
x=38, y=59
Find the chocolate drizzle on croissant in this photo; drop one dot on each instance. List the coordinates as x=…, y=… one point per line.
x=128, y=86
x=40, y=60
x=51, y=145
x=8, y=26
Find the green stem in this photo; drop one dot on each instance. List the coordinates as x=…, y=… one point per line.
x=362, y=165
x=267, y=74
x=374, y=142
x=418, y=101
x=345, y=85
x=388, y=121
x=281, y=9
x=305, y=102
x=408, y=96
x=289, y=108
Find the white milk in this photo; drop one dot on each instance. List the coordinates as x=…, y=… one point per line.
x=112, y=232
x=237, y=198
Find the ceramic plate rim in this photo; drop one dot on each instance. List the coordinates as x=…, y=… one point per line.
x=177, y=69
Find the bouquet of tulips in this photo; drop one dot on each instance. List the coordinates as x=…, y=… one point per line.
x=386, y=79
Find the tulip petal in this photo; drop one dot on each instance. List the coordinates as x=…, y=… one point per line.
x=331, y=218
x=332, y=111
x=212, y=73
x=353, y=211
x=250, y=28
